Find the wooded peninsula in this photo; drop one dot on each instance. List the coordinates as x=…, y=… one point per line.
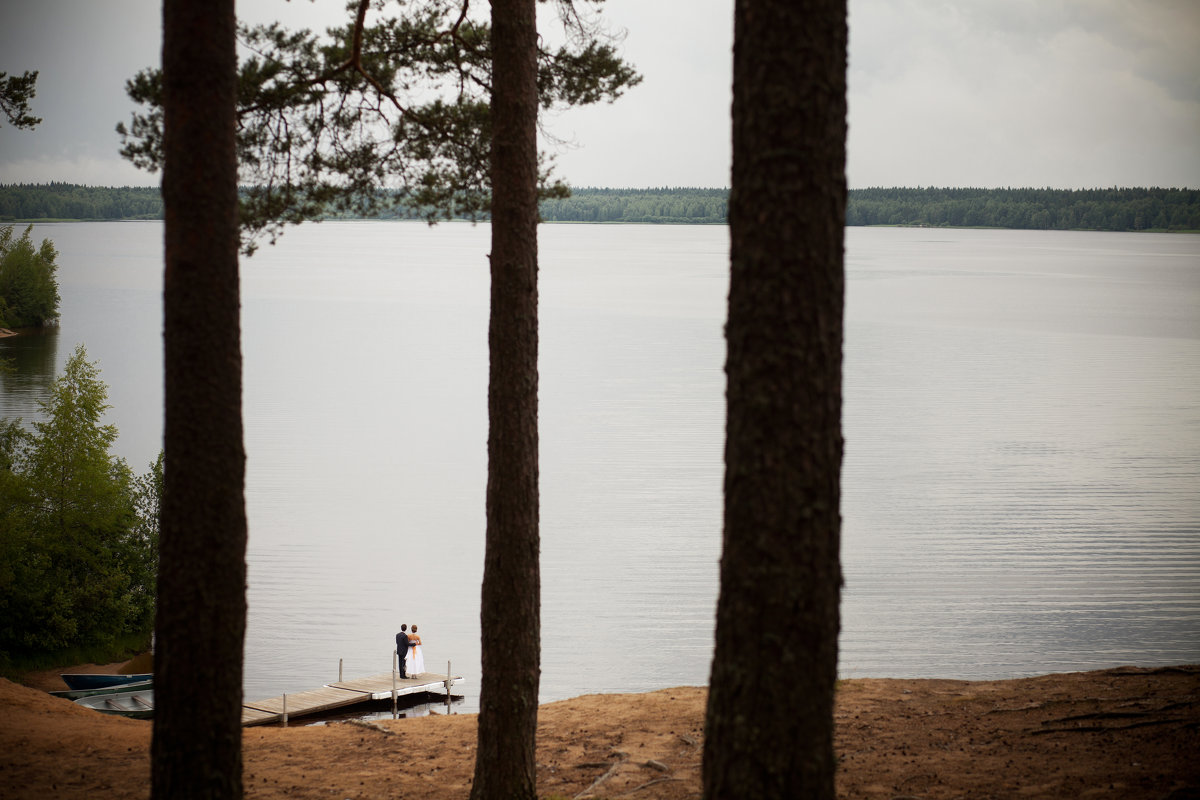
x=1115, y=209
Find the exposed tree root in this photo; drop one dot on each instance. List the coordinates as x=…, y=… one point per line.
x=647, y=784
x=612, y=770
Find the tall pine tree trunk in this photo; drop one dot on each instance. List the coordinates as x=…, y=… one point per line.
x=196, y=745
x=510, y=616
x=769, y=730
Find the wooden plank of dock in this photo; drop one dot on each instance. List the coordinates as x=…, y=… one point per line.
x=309, y=702
x=340, y=695
x=252, y=716
x=380, y=686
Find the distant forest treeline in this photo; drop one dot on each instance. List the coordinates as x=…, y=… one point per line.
x=70, y=201
x=670, y=206
x=1047, y=209
x=1036, y=209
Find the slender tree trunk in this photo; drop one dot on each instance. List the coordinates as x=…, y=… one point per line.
x=769, y=728
x=196, y=745
x=510, y=616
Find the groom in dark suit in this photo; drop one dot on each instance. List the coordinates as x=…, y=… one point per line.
x=402, y=649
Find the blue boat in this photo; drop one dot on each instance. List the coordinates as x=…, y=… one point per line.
x=83, y=680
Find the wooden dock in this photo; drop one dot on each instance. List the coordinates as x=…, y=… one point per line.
x=342, y=694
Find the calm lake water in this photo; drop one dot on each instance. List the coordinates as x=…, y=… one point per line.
x=1022, y=423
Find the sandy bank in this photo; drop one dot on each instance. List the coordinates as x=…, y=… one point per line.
x=1125, y=733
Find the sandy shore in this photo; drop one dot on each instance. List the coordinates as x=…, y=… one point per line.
x=1123, y=733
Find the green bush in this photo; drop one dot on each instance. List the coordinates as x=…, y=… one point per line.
x=78, y=532
x=28, y=287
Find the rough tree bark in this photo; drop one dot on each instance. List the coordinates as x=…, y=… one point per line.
x=196, y=744
x=769, y=730
x=510, y=616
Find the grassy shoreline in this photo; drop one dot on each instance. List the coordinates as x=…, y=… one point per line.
x=18, y=669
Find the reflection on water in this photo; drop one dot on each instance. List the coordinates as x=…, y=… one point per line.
x=110, y=284
x=33, y=355
x=1022, y=424
x=1035, y=399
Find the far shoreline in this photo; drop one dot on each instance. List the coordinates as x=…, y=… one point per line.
x=647, y=223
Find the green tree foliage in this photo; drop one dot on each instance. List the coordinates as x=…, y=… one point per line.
x=1129, y=209
x=28, y=287
x=669, y=206
x=147, y=508
x=382, y=113
x=15, y=94
x=72, y=201
x=78, y=531
x=1134, y=209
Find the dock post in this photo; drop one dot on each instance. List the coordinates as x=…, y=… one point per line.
x=340, y=660
x=395, y=664
x=449, y=683
x=285, y=711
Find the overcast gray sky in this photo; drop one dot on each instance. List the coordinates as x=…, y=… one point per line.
x=1061, y=93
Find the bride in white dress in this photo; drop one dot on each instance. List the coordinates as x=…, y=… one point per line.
x=414, y=659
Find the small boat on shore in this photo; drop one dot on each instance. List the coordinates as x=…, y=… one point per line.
x=85, y=680
x=75, y=694
x=135, y=705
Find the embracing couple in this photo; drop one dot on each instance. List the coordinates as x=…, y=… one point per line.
x=408, y=651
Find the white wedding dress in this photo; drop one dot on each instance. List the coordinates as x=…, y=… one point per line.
x=414, y=660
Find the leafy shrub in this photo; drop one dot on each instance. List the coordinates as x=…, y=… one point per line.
x=28, y=287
